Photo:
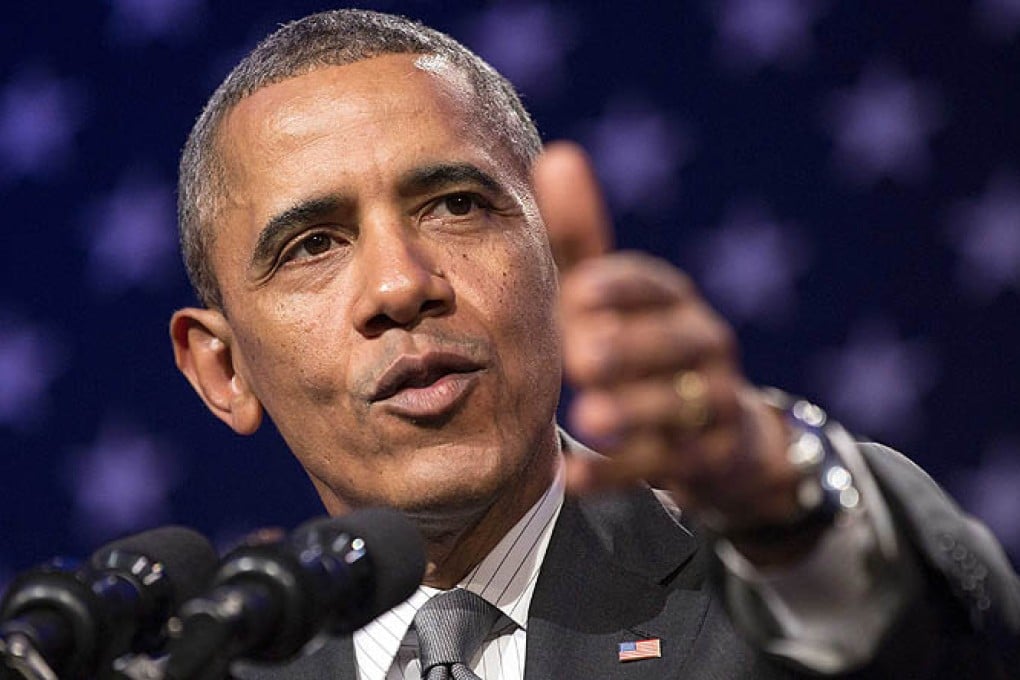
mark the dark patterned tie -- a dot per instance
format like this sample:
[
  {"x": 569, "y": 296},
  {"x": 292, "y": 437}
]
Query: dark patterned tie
[{"x": 451, "y": 626}]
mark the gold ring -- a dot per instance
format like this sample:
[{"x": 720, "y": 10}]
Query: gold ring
[{"x": 692, "y": 388}]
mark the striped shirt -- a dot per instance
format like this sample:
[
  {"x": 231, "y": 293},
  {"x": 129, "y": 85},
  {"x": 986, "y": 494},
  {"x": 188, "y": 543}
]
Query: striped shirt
[{"x": 387, "y": 648}]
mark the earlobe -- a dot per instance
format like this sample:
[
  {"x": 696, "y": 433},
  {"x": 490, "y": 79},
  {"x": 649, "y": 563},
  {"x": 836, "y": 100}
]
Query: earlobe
[{"x": 202, "y": 342}]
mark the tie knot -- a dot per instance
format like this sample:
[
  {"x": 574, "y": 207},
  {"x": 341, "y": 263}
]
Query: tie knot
[{"x": 451, "y": 626}]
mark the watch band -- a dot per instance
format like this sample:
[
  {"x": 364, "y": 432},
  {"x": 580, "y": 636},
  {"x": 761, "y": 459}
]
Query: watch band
[{"x": 826, "y": 487}]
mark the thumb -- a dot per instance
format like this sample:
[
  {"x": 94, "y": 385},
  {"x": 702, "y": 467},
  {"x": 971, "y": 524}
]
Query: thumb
[{"x": 571, "y": 204}]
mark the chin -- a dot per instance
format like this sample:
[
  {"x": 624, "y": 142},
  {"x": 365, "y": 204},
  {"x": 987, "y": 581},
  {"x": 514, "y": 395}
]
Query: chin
[{"x": 453, "y": 493}]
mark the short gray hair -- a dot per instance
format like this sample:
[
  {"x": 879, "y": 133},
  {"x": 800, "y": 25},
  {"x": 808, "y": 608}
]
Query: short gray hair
[{"x": 332, "y": 38}]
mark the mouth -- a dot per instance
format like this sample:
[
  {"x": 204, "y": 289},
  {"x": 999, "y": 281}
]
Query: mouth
[{"x": 427, "y": 386}]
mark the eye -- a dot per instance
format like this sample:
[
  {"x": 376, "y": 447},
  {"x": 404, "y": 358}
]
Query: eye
[
  {"x": 459, "y": 204},
  {"x": 311, "y": 245},
  {"x": 455, "y": 205}
]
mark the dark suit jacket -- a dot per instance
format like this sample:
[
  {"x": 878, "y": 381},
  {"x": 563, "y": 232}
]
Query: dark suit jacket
[{"x": 621, "y": 569}]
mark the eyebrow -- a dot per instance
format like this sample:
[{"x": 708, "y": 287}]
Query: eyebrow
[
  {"x": 432, "y": 177},
  {"x": 279, "y": 227},
  {"x": 420, "y": 180}
]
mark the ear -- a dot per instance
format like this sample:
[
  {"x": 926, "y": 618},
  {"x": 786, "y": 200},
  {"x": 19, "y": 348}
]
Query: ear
[
  {"x": 571, "y": 203},
  {"x": 202, "y": 341}
]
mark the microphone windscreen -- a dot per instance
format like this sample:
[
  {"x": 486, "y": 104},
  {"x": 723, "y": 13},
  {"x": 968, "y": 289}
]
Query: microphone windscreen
[
  {"x": 397, "y": 552},
  {"x": 188, "y": 558}
]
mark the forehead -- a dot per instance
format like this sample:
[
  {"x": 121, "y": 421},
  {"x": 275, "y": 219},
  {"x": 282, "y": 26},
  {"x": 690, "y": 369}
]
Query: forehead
[{"x": 401, "y": 98}]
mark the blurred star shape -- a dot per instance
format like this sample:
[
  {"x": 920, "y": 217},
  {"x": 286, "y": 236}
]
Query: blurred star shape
[
  {"x": 135, "y": 22},
  {"x": 990, "y": 491},
  {"x": 527, "y": 43},
  {"x": 998, "y": 19},
  {"x": 752, "y": 34},
  {"x": 874, "y": 384},
  {"x": 638, "y": 152},
  {"x": 39, "y": 117},
  {"x": 985, "y": 232},
  {"x": 749, "y": 265},
  {"x": 881, "y": 127},
  {"x": 31, "y": 358},
  {"x": 122, "y": 481},
  {"x": 130, "y": 236}
]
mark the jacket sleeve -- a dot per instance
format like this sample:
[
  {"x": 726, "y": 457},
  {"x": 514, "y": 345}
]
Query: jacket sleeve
[
  {"x": 944, "y": 603},
  {"x": 971, "y": 594}
]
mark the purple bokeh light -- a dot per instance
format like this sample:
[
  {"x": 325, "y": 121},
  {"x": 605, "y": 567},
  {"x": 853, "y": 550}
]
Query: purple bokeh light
[
  {"x": 135, "y": 22},
  {"x": 638, "y": 153},
  {"x": 130, "y": 236},
  {"x": 881, "y": 127},
  {"x": 39, "y": 117},
  {"x": 122, "y": 481},
  {"x": 875, "y": 382},
  {"x": 752, "y": 34},
  {"x": 527, "y": 43},
  {"x": 749, "y": 265},
  {"x": 985, "y": 233},
  {"x": 31, "y": 358}
]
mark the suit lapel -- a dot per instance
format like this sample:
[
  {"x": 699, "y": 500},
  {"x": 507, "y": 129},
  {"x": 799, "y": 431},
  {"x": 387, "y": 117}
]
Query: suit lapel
[{"x": 617, "y": 569}]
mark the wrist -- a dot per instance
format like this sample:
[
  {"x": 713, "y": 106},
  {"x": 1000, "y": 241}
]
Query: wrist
[{"x": 809, "y": 491}]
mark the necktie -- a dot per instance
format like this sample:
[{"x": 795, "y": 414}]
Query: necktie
[{"x": 450, "y": 628}]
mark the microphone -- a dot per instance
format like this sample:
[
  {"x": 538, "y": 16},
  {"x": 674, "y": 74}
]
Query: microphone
[
  {"x": 269, "y": 600},
  {"x": 56, "y": 622}
]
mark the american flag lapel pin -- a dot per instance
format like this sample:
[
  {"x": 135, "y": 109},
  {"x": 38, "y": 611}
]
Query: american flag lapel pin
[{"x": 640, "y": 649}]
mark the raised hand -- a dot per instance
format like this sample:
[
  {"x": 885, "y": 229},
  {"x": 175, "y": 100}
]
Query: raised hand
[{"x": 659, "y": 388}]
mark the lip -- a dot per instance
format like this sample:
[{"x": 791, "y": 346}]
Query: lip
[{"x": 426, "y": 386}]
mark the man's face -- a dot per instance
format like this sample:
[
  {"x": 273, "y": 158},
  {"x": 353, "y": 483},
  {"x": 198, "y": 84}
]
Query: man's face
[{"x": 388, "y": 286}]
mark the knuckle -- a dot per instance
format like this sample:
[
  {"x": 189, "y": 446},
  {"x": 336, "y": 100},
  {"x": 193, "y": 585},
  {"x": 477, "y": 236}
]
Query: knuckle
[
  {"x": 595, "y": 413},
  {"x": 582, "y": 368}
]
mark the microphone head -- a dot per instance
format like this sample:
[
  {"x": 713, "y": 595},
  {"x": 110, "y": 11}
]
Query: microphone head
[
  {"x": 184, "y": 557},
  {"x": 397, "y": 554},
  {"x": 80, "y": 621}
]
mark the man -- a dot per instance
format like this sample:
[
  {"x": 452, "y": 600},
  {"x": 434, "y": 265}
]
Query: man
[{"x": 366, "y": 215}]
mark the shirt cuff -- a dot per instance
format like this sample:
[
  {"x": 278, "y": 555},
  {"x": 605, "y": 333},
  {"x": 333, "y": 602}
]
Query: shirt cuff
[{"x": 856, "y": 579}]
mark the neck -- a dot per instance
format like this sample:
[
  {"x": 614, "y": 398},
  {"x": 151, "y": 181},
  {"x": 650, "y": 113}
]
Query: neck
[{"x": 452, "y": 553}]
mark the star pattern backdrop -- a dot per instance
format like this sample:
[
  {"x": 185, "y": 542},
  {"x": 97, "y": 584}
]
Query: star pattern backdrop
[{"x": 841, "y": 178}]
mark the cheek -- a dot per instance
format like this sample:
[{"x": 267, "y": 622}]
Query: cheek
[
  {"x": 535, "y": 288},
  {"x": 294, "y": 354},
  {"x": 521, "y": 302},
  {"x": 511, "y": 278}
]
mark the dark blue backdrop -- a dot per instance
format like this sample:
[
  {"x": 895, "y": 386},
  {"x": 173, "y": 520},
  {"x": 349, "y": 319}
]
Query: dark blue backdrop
[{"x": 842, "y": 178}]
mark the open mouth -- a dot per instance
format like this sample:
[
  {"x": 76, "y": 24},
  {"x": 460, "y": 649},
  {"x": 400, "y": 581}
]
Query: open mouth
[{"x": 428, "y": 386}]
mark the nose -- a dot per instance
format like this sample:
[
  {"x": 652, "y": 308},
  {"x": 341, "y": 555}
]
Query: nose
[{"x": 401, "y": 281}]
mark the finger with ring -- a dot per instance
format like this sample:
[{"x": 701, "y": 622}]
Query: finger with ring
[{"x": 694, "y": 413}]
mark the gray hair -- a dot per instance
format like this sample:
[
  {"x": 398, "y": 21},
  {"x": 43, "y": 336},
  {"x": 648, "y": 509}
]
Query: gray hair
[{"x": 332, "y": 38}]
